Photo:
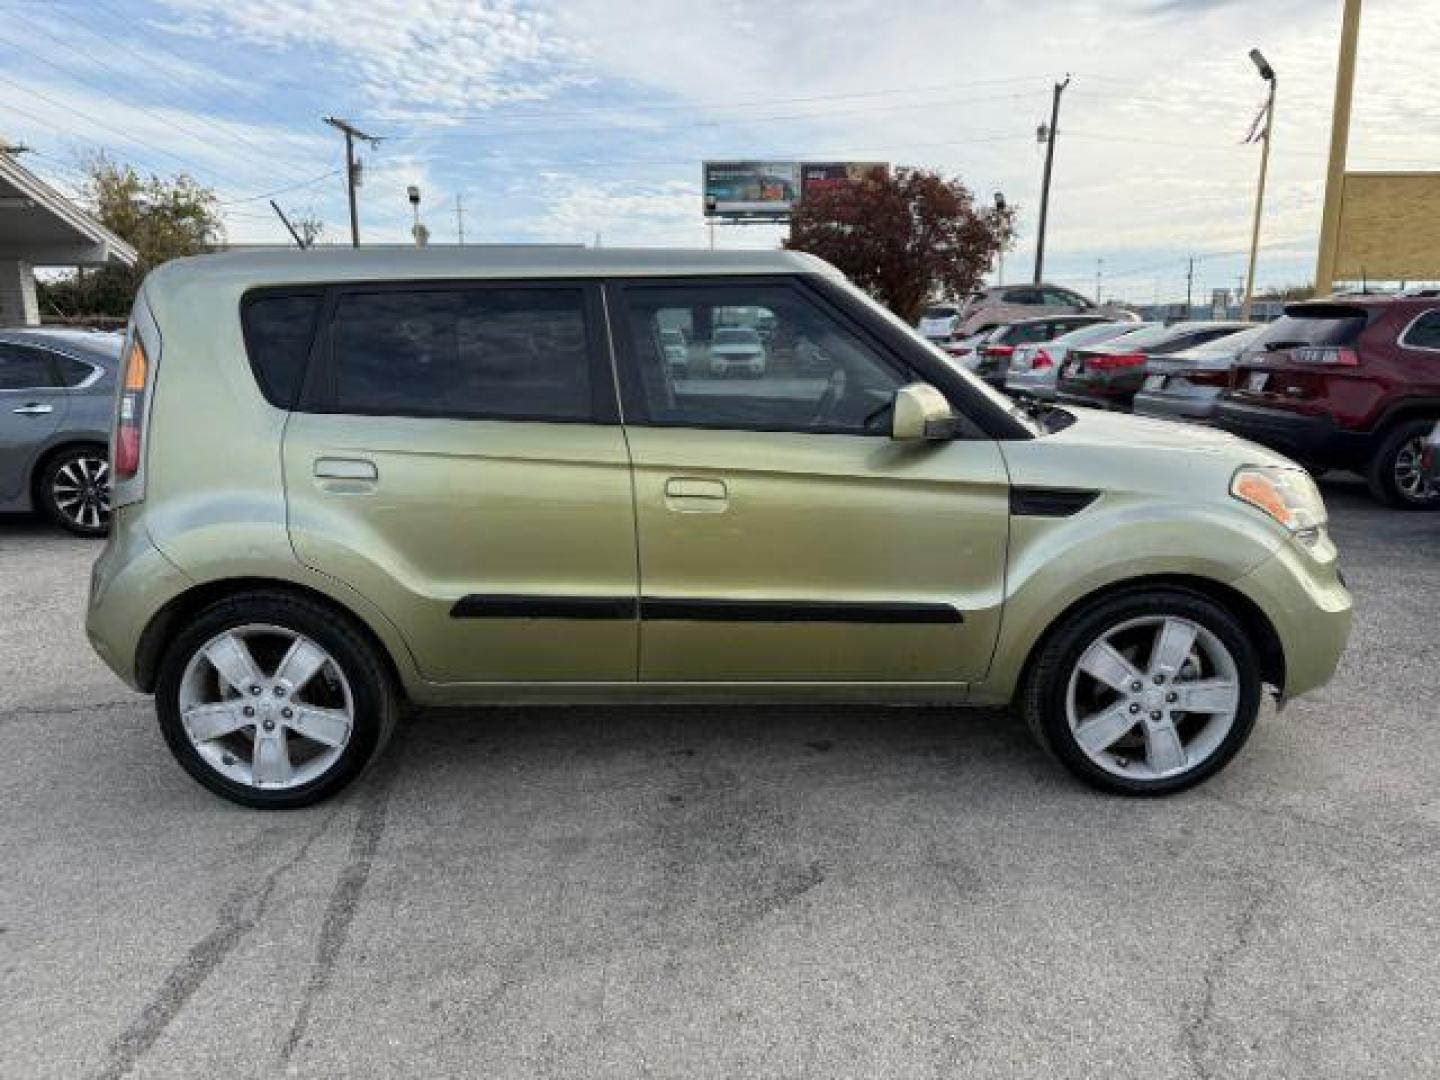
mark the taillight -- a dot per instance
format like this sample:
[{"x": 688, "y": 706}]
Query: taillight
[
  {"x": 1041, "y": 360},
  {"x": 1114, "y": 361},
  {"x": 999, "y": 351},
  {"x": 1334, "y": 355},
  {"x": 130, "y": 416}
]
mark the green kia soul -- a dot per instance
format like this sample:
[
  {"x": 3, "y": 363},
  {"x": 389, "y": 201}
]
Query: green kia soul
[{"x": 346, "y": 480}]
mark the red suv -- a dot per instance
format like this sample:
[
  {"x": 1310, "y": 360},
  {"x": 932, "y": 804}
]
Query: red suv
[{"x": 1346, "y": 383}]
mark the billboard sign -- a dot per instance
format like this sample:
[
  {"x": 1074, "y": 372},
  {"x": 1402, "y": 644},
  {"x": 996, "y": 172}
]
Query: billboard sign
[
  {"x": 816, "y": 177},
  {"x": 750, "y": 189}
]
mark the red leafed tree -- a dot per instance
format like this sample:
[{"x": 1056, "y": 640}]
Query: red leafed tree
[{"x": 906, "y": 236}]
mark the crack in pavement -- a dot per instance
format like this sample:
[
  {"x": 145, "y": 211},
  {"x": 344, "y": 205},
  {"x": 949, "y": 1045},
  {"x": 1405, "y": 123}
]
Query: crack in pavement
[
  {"x": 345, "y": 897},
  {"x": 239, "y": 914},
  {"x": 1193, "y": 1030},
  {"x": 32, "y": 712}
]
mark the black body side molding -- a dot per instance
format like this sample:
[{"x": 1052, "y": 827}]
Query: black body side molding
[{"x": 1049, "y": 502}]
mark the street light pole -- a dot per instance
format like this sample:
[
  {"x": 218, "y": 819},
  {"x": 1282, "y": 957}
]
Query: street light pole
[
  {"x": 1045, "y": 185},
  {"x": 1268, "y": 74}
]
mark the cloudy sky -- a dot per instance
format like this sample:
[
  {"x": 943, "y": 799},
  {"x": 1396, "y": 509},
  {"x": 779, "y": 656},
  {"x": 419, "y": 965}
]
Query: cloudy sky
[{"x": 556, "y": 120}]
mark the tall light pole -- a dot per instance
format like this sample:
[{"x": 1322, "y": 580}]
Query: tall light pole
[
  {"x": 1048, "y": 138},
  {"x": 1339, "y": 148},
  {"x": 1268, "y": 74},
  {"x": 1000, "y": 207}
]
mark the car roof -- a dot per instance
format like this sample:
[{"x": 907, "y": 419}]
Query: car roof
[
  {"x": 396, "y": 262},
  {"x": 96, "y": 345}
]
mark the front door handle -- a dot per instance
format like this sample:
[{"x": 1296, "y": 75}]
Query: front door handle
[
  {"x": 335, "y": 468},
  {"x": 34, "y": 408},
  {"x": 690, "y": 495}
]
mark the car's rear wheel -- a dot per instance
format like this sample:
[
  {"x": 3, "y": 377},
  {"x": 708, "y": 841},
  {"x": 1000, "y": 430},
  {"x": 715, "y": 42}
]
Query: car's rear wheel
[
  {"x": 74, "y": 490},
  {"x": 1397, "y": 475},
  {"x": 272, "y": 702},
  {"x": 1145, "y": 693}
]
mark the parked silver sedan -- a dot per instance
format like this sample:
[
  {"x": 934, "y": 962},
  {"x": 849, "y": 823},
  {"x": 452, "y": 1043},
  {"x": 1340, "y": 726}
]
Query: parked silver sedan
[
  {"x": 1187, "y": 385},
  {"x": 1033, "y": 367},
  {"x": 57, "y": 391}
]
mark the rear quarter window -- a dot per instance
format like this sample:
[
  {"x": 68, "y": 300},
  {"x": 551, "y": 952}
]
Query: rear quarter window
[{"x": 279, "y": 330}]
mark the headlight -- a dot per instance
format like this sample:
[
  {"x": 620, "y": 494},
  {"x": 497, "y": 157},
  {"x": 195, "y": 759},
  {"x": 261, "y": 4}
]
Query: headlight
[{"x": 1287, "y": 495}]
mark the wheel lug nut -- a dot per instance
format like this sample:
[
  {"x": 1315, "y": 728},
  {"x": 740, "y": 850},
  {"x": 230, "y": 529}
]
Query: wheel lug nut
[
  {"x": 254, "y": 689},
  {"x": 248, "y": 710},
  {"x": 1159, "y": 678},
  {"x": 1134, "y": 708},
  {"x": 279, "y": 691},
  {"x": 287, "y": 713},
  {"x": 1136, "y": 686},
  {"x": 268, "y": 725},
  {"x": 1172, "y": 697},
  {"x": 1155, "y": 716}
]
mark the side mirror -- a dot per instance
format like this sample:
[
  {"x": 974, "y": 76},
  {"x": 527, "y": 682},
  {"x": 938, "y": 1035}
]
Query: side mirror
[{"x": 921, "y": 412}]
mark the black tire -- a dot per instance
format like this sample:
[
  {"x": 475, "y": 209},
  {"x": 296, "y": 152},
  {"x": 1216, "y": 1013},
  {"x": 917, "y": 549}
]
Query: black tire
[
  {"x": 1381, "y": 474},
  {"x": 67, "y": 474},
  {"x": 376, "y": 707},
  {"x": 1042, "y": 700}
]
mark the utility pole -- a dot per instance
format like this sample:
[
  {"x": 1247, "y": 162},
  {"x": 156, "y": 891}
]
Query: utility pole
[
  {"x": 459, "y": 219},
  {"x": 1049, "y": 141},
  {"x": 1189, "y": 287},
  {"x": 352, "y": 169},
  {"x": 1339, "y": 149},
  {"x": 1099, "y": 277},
  {"x": 1268, "y": 74}
]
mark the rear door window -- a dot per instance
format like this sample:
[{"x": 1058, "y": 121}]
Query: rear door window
[
  {"x": 505, "y": 353},
  {"x": 24, "y": 368}
]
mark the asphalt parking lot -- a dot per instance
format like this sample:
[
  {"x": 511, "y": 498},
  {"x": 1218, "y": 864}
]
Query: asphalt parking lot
[{"x": 716, "y": 892}]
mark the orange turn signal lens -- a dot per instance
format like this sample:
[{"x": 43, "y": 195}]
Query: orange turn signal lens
[
  {"x": 1259, "y": 491},
  {"x": 136, "y": 366}
]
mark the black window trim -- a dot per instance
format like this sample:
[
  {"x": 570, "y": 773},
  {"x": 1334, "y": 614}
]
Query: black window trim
[
  {"x": 318, "y": 390},
  {"x": 281, "y": 292}
]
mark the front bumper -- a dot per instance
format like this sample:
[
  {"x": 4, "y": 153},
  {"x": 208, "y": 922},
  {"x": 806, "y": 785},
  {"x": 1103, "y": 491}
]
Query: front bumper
[
  {"x": 1309, "y": 438},
  {"x": 1302, "y": 594}
]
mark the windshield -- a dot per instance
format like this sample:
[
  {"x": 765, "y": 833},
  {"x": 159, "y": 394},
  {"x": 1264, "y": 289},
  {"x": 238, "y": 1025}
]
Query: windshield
[
  {"x": 1093, "y": 335},
  {"x": 1231, "y": 343},
  {"x": 1315, "y": 324},
  {"x": 978, "y": 385}
]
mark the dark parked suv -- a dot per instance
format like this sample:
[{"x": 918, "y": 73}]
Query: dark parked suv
[{"x": 1350, "y": 382}]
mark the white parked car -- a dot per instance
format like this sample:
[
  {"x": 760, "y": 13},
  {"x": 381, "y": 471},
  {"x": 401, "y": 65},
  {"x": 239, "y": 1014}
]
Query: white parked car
[
  {"x": 938, "y": 322},
  {"x": 677, "y": 353},
  {"x": 737, "y": 349}
]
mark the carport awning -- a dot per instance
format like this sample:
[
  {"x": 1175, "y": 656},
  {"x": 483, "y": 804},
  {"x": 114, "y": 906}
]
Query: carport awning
[{"x": 41, "y": 227}]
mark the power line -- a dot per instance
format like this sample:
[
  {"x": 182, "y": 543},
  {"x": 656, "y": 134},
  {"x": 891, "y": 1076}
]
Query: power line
[{"x": 281, "y": 191}]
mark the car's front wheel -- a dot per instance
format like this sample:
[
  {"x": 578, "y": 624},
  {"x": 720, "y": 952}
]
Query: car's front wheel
[
  {"x": 272, "y": 701},
  {"x": 1145, "y": 692}
]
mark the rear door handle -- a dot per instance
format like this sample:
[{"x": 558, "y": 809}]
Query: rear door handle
[
  {"x": 34, "y": 408},
  {"x": 334, "y": 468},
  {"x": 689, "y": 495}
]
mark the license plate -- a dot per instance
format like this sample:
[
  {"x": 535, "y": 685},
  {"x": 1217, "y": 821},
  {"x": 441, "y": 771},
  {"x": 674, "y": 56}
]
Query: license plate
[
  {"x": 1155, "y": 382},
  {"x": 1258, "y": 379}
]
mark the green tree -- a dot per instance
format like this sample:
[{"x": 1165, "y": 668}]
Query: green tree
[
  {"x": 162, "y": 218},
  {"x": 906, "y": 236}
]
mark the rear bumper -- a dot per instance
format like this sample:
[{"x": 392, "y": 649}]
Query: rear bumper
[
  {"x": 1312, "y": 439},
  {"x": 1176, "y": 406},
  {"x": 129, "y": 583}
]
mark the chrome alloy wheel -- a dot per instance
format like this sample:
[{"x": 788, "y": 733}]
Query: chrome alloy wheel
[
  {"x": 270, "y": 731},
  {"x": 80, "y": 490},
  {"x": 1410, "y": 478},
  {"x": 1153, "y": 697}
]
